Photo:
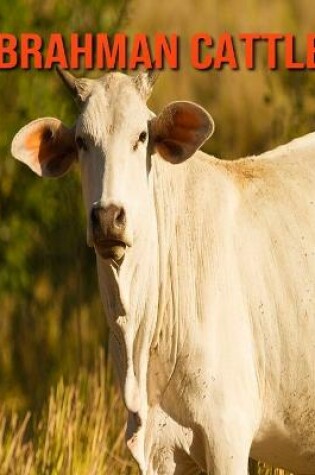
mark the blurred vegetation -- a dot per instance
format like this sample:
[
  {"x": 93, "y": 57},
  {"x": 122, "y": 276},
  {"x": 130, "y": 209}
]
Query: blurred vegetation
[
  {"x": 253, "y": 110},
  {"x": 51, "y": 317}
]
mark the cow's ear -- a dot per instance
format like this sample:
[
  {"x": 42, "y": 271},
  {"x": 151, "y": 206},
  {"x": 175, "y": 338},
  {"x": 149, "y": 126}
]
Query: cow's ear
[
  {"x": 179, "y": 130},
  {"x": 46, "y": 146}
]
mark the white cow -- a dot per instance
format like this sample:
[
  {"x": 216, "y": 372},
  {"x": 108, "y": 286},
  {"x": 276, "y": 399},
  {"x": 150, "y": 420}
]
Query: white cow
[{"x": 207, "y": 275}]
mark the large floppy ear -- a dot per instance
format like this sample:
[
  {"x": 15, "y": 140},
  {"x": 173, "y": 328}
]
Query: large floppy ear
[
  {"x": 179, "y": 130},
  {"x": 46, "y": 146}
]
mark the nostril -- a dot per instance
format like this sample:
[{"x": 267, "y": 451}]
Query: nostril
[
  {"x": 120, "y": 217},
  {"x": 95, "y": 216}
]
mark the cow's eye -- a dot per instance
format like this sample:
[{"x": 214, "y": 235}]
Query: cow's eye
[
  {"x": 143, "y": 136},
  {"x": 81, "y": 144},
  {"x": 141, "y": 139}
]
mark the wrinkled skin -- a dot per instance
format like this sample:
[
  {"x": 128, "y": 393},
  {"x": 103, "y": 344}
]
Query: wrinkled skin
[{"x": 207, "y": 276}]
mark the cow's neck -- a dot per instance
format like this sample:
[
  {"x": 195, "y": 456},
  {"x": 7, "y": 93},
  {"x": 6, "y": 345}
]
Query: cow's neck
[{"x": 195, "y": 204}]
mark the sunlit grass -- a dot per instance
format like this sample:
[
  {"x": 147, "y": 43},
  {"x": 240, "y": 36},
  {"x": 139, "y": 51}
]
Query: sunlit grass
[{"x": 81, "y": 432}]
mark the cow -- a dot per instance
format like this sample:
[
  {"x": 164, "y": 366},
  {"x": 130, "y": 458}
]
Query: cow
[{"x": 206, "y": 271}]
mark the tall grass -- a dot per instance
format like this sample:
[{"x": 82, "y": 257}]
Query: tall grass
[{"x": 80, "y": 431}]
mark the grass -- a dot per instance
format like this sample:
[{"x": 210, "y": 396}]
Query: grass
[{"x": 80, "y": 432}]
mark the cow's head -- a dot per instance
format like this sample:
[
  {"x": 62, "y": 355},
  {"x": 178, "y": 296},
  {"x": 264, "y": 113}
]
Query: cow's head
[{"x": 113, "y": 139}]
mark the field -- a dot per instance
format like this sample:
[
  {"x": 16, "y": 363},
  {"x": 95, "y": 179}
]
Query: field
[
  {"x": 80, "y": 431},
  {"x": 60, "y": 410}
]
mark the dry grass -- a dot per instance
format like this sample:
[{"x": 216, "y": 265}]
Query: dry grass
[{"x": 80, "y": 432}]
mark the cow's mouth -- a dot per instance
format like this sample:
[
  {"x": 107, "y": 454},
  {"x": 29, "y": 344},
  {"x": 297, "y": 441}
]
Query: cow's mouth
[{"x": 111, "y": 249}]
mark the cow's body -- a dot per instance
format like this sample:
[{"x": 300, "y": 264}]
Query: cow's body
[
  {"x": 233, "y": 354},
  {"x": 212, "y": 309}
]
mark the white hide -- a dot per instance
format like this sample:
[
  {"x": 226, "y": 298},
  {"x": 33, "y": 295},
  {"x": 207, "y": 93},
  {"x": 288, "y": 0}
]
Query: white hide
[
  {"x": 212, "y": 312},
  {"x": 229, "y": 306}
]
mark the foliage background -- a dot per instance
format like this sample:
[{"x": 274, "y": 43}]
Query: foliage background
[{"x": 51, "y": 322}]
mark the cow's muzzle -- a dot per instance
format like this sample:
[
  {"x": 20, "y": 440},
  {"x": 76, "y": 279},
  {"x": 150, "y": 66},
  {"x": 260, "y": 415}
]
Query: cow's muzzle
[{"x": 109, "y": 228}]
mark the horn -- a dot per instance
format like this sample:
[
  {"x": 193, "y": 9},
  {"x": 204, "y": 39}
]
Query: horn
[
  {"x": 145, "y": 81},
  {"x": 78, "y": 87},
  {"x": 153, "y": 75},
  {"x": 68, "y": 79}
]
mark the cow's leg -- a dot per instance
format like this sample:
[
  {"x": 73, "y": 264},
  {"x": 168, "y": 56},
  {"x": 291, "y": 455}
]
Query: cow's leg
[
  {"x": 172, "y": 467},
  {"x": 220, "y": 446},
  {"x": 168, "y": 446},
  {"x": 173, "y": 462},
  {"x": 229, "y": 466},
  {"x": 224, "y": 460},
  {"x": 227, "y": 458}
]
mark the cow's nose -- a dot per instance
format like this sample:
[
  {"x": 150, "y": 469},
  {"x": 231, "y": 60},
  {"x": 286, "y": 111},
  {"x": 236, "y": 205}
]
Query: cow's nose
[{"x": 110, "y": 219}]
